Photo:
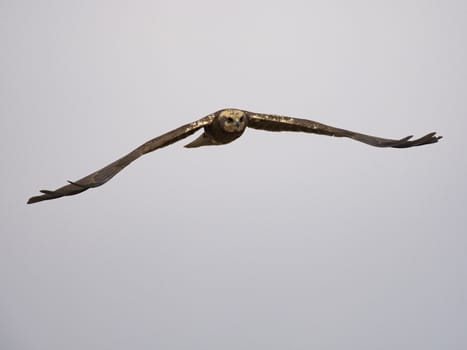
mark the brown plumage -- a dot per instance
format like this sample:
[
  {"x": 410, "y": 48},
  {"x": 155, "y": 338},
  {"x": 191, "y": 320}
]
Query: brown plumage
[{"x": 220, "y": 128}]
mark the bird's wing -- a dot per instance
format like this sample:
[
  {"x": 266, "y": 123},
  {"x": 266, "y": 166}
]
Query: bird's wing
[
  {"x": 283, "y": 123},
  {"x": 103, "y": 175}
]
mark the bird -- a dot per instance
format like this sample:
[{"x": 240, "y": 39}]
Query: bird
[{"x": 220, "y": 128}]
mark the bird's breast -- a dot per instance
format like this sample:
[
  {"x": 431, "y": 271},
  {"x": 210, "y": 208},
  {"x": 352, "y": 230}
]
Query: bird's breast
[{"x": 220, "y": 136}]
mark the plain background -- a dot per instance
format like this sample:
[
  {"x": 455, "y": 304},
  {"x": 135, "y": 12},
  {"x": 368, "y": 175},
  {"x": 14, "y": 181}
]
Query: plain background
[{"x": 276, "y": 241}]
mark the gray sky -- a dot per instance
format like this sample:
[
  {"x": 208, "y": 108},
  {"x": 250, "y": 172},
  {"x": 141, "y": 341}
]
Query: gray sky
[{"x": 276, "y": 241}]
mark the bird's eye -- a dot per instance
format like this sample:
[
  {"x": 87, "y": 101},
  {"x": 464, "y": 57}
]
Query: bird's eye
[
  {"x": 241, "y": 119},
  {"x": 229, "y": 120}
]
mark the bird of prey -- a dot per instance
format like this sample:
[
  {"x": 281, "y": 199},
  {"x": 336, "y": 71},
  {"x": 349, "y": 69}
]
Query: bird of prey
[{"x": 220, "y": 128}]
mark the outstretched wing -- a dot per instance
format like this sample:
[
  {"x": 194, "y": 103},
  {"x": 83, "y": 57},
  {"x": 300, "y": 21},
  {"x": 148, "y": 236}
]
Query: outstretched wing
[
  {"x": 282, "y": 123},
  {"x": 103, "y": 175}
]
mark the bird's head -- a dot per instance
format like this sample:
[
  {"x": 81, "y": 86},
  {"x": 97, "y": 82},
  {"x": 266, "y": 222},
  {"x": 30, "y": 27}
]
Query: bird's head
[{"x": 232, "y": 120}]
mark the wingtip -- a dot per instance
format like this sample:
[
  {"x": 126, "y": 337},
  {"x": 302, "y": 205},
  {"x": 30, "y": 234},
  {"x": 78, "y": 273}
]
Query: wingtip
[
  {"x": 432, "y": 137},
  {"x": 424, "y": 140},
  {"x": 33, "y": 200}
]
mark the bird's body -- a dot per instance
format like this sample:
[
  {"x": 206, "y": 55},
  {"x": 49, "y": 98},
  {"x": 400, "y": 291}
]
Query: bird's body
[
  {"x": 222, "y": 127},
  {"x": 227, "y": 126}
]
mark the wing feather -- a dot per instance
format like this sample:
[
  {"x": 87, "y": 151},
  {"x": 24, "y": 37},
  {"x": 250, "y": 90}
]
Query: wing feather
[
  {"x": 103, "y": 175},
  {"x": 284, "y": 123}
]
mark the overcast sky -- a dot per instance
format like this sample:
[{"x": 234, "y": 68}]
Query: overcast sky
[{"x": 276, "y": 241}]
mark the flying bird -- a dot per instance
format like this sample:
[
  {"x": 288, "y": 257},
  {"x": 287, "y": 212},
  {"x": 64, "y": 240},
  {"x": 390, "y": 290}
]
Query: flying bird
[{"x": 220, "y": 128}]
